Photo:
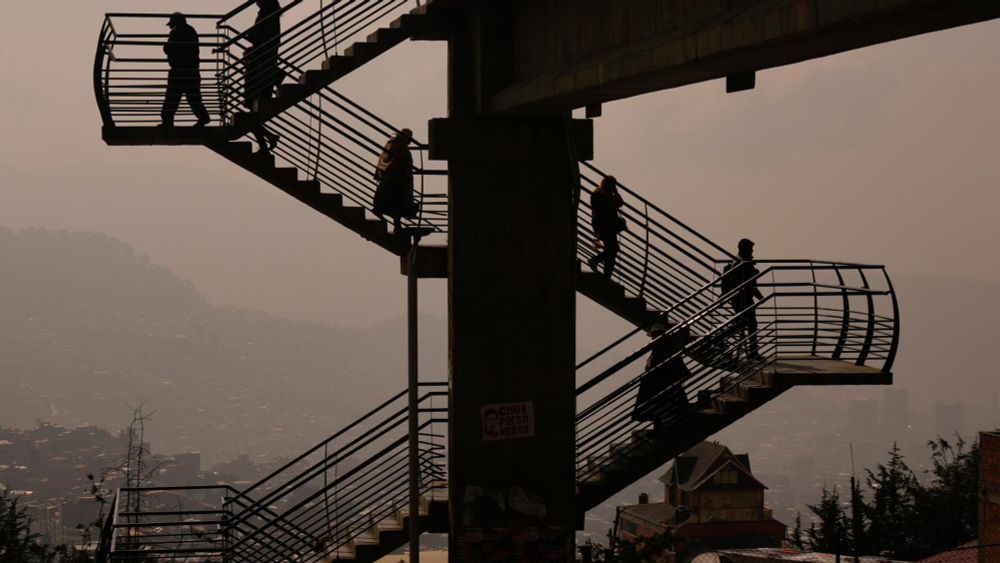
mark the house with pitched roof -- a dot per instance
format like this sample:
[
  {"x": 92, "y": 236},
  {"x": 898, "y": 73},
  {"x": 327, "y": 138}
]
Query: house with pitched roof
[{"x": 711, "y": 501}]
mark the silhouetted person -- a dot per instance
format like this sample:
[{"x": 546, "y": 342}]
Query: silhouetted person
[
  {"x": 184, "y": 78},
  {"x": 394, "y": 173},
  {"x": 262, "y": 71},
  {"x": 741, "y": 275},
  {"x": 607, "y": 222},
  {"x": 661, "y": 393}
]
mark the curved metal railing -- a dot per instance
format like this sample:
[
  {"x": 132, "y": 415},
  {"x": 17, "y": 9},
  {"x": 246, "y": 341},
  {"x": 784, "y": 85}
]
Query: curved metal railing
[
  {"x": 130, "y": 69},
  {"x": 821, "y": 316}
]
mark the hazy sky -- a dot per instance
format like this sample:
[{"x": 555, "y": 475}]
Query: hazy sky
[{"x": 888, "y": 155}]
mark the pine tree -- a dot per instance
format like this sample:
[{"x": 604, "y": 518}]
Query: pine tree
[
  {"x": 946, "y": 509},
  {"x": 859, "y": 536},
  {"x": 797, "y": 539},
  {"x": 891, "y": 511},
  {"x": 834, "y": 529}
]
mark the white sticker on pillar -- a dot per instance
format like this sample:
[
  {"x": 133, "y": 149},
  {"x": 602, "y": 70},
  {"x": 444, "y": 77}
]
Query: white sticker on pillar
[{"x": 508, "y": 421}]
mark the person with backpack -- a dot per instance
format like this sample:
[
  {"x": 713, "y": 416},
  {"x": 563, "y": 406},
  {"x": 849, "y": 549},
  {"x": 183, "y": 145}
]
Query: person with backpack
[
  {"x": 394, "y": 174},
  {"x": 739, "y": 279},
  {"x": 607, "y": 222}
]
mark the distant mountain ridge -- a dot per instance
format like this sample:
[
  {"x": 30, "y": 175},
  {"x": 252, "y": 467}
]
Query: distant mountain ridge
[{"x": 88, "y": 327}]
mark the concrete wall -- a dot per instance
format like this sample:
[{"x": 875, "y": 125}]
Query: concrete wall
[{"x": 571, "y": 53}]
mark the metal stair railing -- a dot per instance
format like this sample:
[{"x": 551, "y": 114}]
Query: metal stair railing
[
  {"x": 325, "y": 498},
  {"x": 309, "y": 34},
  {"x": 172, "y": 524},
  {"x": 810, "y": 310},
  {"x": 130, "y": 69},
  {"x": 334, "y": 141},
  {"x": 661, "y": 259}
]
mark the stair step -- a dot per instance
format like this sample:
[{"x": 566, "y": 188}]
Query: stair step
[
  {"x": 310, "y": 187},
  {"x": 240, "y": 148},
  {"x": 353, "y": 214},
  {"x": 363, "y": 50},
  {"x": 262, "y": 159},
  {"x": 286, "y": 174},
  {"x": 339, "y": 64},
  {"x": 376, "y": 227},
  {"x": 388, "y": 36},
  {"x": 291, "y": 91},
  {"x": 330, "y": 202}
]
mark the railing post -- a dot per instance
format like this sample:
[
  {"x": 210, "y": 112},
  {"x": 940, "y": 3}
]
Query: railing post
[
  {"x": 845, "y": 325},
  {"x": 414, "y": 398},
  {"x": 645, "y": 249},
  {"x": 870, "y": 329},
  {"x": 815, "y": 343}
]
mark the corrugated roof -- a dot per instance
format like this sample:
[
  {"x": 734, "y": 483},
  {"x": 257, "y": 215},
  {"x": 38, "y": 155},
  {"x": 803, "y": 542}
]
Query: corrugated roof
[{"x": 965, "y": 553}]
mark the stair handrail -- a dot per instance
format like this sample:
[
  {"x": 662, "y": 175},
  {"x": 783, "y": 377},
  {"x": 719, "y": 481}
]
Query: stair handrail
[
  {"x": 369, "y": 436},
  {"x": 363, "y": 465},
  {"x": 298, "y": 39},
  {"x": 722, "y": 300},
  {"x": 635, "y": 195},
  {"x": 887, "y": 337},
  {"x": 354, "y": 424}
]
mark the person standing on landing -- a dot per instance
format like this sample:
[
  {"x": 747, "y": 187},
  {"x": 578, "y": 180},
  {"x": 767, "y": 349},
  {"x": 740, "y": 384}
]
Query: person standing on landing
[
  {"x": 741, "y": 275},
  {"x": 607, "y": 222},
  {"x": 262, "y": 71},
  {"x": 184, "y": 78}
]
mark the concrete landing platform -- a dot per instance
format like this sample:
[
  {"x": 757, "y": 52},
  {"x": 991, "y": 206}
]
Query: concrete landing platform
[
  {"x": 165, "y": 136},
  {"x": 812, "y": 370}
]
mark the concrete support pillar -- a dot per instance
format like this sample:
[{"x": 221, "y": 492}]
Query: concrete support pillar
[{"x": 512, "y": 239}]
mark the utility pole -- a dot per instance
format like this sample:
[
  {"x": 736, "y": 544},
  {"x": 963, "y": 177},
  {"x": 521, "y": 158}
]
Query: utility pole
[{"x": 414, "y": 397}]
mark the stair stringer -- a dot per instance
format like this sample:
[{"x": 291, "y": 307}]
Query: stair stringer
[
  {"x": 423, "y": 22},
  {"x": 308, "y": 192},
  {"x": 650, "y": 450}
]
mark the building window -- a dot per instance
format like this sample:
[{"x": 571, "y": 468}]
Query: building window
[
  {"x": 725, "y": 477},
  {"x": 629, "y": 527}
]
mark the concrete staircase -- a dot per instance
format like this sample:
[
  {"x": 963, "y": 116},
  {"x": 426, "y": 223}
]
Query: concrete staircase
[{"x": 389, "y": 534}]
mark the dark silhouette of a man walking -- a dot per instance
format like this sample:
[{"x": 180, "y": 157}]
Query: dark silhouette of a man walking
[
  {"x": 741, "y": 275},
  {"x": 184, "y": 78}
]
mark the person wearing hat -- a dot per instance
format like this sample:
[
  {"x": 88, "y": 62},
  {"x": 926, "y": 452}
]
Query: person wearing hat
[
  {"x": 740, "y": 279},
  {"x": 184, "y": 78},
  {"x": 394, "y": 174},
  {"x": 661, "y": 396}
]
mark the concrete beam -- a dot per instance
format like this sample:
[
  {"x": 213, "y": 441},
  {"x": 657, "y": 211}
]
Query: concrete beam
[{"x": 574, "y": 53}]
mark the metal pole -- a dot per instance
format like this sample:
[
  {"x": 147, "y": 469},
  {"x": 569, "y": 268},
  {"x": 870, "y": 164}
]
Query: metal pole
[{"x": 411, "y": 314}]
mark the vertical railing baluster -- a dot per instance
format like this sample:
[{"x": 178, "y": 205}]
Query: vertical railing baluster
[
  {"x": 815, "y": 339},
  {"x": 645, "y": 256},
  {"x": 870, "y": 329},
  {"x": 845, "y": 326}
]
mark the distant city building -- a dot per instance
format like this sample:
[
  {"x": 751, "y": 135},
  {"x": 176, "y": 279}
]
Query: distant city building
[
  {"x": 895, "y": 412},
  {"x": 949, "y": 419},
  {"x": 712, "y": 501},
  {"x": 862, "y": 418}
]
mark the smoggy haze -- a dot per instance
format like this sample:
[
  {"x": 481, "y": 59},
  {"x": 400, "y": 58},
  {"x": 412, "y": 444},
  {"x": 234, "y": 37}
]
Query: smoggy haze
[{"x": 886, "y": 155}]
